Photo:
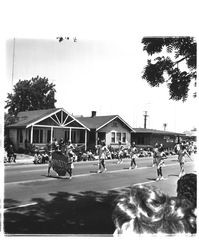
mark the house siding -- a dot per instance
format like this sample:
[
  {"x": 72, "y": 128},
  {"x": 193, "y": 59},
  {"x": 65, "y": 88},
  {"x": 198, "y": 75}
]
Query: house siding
[{"x": 115, "y": 126}]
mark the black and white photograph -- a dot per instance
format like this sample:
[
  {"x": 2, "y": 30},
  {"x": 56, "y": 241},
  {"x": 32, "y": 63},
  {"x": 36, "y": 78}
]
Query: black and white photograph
[{"x": 99, "y": 122}]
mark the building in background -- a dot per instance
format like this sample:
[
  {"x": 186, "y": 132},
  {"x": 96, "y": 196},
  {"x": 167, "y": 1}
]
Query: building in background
[
  {"x": 39, "y": 127},
  {"x": 112, "y": 129},
  {"x": 144, "y": 137}
]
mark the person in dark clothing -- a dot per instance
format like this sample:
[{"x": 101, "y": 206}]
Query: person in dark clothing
[{"x": 10, "y": 154}]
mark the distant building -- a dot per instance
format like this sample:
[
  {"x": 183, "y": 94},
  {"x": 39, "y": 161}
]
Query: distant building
[
  {"x": 149, "y": 137},
  {"x": 112, "y": 129},
  {"x": 190, "y": 135}
]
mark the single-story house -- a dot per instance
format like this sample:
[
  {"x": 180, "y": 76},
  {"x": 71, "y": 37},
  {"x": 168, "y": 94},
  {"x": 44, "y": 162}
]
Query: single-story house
[
  {"x": 39, "y": 127},
  {"x": 144, "y": 136},
  {"x": 111, "y": 128}
]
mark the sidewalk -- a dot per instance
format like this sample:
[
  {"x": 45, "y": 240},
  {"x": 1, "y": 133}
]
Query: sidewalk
[{"x": 21, "y": 160}]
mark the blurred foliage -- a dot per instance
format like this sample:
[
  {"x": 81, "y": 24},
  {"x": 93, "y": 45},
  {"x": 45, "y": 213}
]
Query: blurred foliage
[
  {"x": 167, "y": 69},
  {"x": 33, "y": 94}
]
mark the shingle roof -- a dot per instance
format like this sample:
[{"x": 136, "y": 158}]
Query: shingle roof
[
  {"x": 97, "y": 122},
  {"x": 155, "y": 131},
  {"x": 27, "y": 117}
]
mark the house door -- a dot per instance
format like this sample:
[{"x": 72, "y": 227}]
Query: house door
[{"x": 101, "y": 137}]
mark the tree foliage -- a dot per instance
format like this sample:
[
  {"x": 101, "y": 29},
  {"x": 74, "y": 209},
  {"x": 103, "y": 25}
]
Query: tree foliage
[
  {"x": 167, "y": 69},
  {"x": 33, "y": 94}
]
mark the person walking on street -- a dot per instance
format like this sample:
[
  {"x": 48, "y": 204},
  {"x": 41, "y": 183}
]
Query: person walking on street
[
  {"x": 120, "y": 154},
  {"x": 160, "y": 163},
  {"x": 133, "y": 152},
  {"x": 155, "y": 152},
  {"x": 71, "y": 156},
  {"x": 181, "y": 158},
  {"x": 103, "y": 150}
]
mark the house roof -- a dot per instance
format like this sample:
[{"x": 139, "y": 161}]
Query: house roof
[
  {"x": 98, "y": 122},
  {"x": 155, "y": 131},
  {"x": 25, "y": 118},
  {"x": 29, "y": 118}
]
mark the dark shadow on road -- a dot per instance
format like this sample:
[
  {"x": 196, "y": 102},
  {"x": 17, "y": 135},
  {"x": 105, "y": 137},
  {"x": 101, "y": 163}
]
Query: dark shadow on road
[
  {"x": 66, "y": 213},
  {"x": 151, "y": 179},
  {"x": 56, "y": 176}
]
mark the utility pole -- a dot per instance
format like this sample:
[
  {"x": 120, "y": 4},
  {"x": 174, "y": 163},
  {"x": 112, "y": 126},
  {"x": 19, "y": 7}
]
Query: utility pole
[
  {"x": 164, "y": 125},
  {"x": 145, "y": 118},
  {"x": 13, "y": 61}
]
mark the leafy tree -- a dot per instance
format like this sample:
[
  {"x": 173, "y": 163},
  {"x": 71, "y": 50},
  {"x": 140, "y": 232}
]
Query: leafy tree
[
  {"x": 33, "y": 94},
  {"x": 169, "y": 69}
]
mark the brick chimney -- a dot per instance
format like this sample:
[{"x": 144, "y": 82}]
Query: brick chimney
[{"x": 93, "y": 113}]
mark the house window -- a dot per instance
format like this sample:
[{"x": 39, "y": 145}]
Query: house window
[
  {"x": 38, "y": 136},
  {"x": 20, "y": 135},
  {"x": 124, "y": 137},
  {"x": 141, "y": 140},
  {"x": 119, "y": 136},
  {"x": 73, "y": 136},
  {"x": 113, "y": 137}
]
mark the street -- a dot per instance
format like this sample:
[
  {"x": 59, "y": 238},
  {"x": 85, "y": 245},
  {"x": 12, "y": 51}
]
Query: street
[{"x": 37, "y": 204}]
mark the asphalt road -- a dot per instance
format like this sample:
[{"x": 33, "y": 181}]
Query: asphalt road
[{"x": 80, "y": 205}]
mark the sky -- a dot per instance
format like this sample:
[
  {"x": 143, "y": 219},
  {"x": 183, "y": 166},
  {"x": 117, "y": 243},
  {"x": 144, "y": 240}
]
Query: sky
[
  {"x": 101, "y": 74},
  {"x": 101, "y": 71}
]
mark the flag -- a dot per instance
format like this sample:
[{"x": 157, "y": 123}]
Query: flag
[{"x": 59, "y": 163}]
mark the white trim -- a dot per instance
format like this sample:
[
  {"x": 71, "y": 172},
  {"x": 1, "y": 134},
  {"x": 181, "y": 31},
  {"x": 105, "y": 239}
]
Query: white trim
[
  {"x": 43, "y": 118},
  {"x": 77, "y": 120},
  {"x": 85, "y": 139},
  {"x": 70, "y": 131},
  {"x": 51, "y": 114},
  {"x": 62, "y": 117},
  {"x": 58, "y": 119},
  {"x": 53, "y": 120},
  {"x": 65, "y": 119},
  {"x": 31, "y": 135},
  {"x": 59, "y": 127},
  {"x": 68, "y": 123},
  {"x": 117, "y": 116}
]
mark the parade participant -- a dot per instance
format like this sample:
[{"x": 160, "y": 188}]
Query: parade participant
[
  {"x": 103, "y": 150},
  {"x": 120, "y": 153},
  {"x": 54, "y": 145},
  {"x": 62, "y": 163},
  {"x": 62, "y": 146},
  {"x": 133, "y": 152},
  {"x": 70, "y": 156},
  {"x": 181, "y": 158},
  {"x": 70, "y": 145},
  {"x": 146, "y": 210},
  {"x": 160, "y": 162},
  {"x": 155, "y": 151}
]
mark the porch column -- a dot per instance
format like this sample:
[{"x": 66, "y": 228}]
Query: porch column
[
  {"x": 70, "y": 134},
  {"x": 85, "y": 139},
  {"x": 31, "y": 135},
  {"x": 96, "y": 137},
  {"x": 51, "y": 135}
]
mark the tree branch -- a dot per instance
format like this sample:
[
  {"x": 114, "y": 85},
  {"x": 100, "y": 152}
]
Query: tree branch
[{"x": 181, "y": 60}]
